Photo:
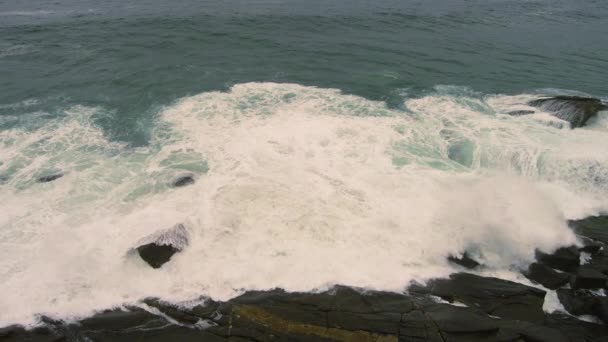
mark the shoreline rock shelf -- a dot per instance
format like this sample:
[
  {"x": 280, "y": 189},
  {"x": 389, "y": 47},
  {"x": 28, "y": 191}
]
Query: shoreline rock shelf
[
  {"x": 506, "y": 312},
  {"x": 485, "y": 309}
]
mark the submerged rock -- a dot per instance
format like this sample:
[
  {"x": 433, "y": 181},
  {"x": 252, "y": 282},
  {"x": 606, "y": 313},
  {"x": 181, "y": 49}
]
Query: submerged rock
[
  {"x": 158, "y": 248},
  {"x": 49, "y": 178},
  {"x": 521, "y": 112},
  {"x": 546, "y": 276},
  {"x": 565, "y": 259},
  {"x": 183, "y": 181},
  {"x": 575, "y": 109},
  {"x": 465, "y": 261}
]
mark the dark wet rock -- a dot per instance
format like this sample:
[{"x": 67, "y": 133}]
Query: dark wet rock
[
  {"x": 383, "y": 323},
  {"x": 156, "y": 255},
  {"x": 453, "y": 319},
  {"x": 416, "y": 326},
  {"x": 11, "y": 330},
  {"x": 341, "y": 314},
  {"x": 565, "y": 259},
  {"x": 600, "y": 309},
  {"x": 494, "y": 296},
  {"x": 49, "y": 178},
  {"x": 575, "y": 109},
  {"x": 465, "y": 261},
  {"x": 546, "y": 276},
  {"x": 576, "y": 330},
  {"x": 594, "y": 227},
  {"x": 592, "y": 247},
  {"x": 186, "y": 315},
  {"x": 168, "y": 333},
  {"x": 588, "y": 278},
  {"x": 41, "y": 334},
  {"x": 576, "y": 302},
  {"x": 158, "y": 248},
  {"x": 521, "y": 112},
  {"x": 116, "y": 320},
  {"x": 348, "y": 299},
  {"x": 183, "y": 181}
]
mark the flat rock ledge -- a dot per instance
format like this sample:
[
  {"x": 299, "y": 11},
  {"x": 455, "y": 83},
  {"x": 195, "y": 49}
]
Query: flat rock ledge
[{"x": 505, "y": 311}]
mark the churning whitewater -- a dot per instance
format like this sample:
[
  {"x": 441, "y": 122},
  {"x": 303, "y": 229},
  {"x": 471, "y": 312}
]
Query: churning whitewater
[{"x": 296, "y": 187}]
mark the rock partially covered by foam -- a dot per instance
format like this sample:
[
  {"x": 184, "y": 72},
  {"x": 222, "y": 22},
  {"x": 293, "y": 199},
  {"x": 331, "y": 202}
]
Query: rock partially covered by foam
[
  {"x": 494, "y": 296},
  {"x": 565, "y": 259},
  {"x": 183, "y": 181},
  {"x": 464, "y": 260},
  {"x": 158, "y": 248},
  {"x": 546, "y": 276},
  {"x": 49, "y": 177},
  {"x": 575, "y": 109}
]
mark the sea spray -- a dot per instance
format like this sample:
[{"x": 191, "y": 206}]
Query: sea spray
[{"x": 297, "y": 187}]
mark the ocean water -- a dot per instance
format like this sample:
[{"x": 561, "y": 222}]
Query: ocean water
[{"x": 332, "y": 142}]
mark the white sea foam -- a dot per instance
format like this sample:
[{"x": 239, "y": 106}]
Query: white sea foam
[{"x": 297, "y": 187}]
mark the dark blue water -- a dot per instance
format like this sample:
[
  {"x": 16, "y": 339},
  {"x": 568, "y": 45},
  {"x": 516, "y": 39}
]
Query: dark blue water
[{"x": 132, "y": 56}]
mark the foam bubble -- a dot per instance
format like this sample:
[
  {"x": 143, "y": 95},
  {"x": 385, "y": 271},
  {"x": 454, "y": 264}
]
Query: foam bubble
[{"x": 297, "y": 187}]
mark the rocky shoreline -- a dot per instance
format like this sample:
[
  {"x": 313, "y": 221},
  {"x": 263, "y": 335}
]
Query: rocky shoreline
[{"x": 465, "y": 307}]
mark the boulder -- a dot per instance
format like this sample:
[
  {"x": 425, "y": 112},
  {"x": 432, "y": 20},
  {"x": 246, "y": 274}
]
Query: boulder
[
  {"x": 576, "y": 302},
  {"x": 497, "y": 297},
  {"x": 546, "y": 276},
  {"x": 465, "y": 261},
  {"x": 575, "y": 109},
  {"x": 588, "y": 278},
  {"x": 183, "y": 181},
  {"x": 159, "y": 247},
  {"x": 565, "y": 259}
]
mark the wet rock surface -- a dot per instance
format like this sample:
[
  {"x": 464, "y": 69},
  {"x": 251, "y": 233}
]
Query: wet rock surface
[
  {"x": 588, "y": 278},
  {"x": 565, "y": 259},
  {"x": 575, "y": 109},
  {"x": 494, "y": 296},
  {"x": 485, "y": 309},
  {"x": 341, "y": 314},
  {"x": 546, "y": 276},
  {"x": 592, "y": 227},
  {"x": 465, "y": 260}
]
